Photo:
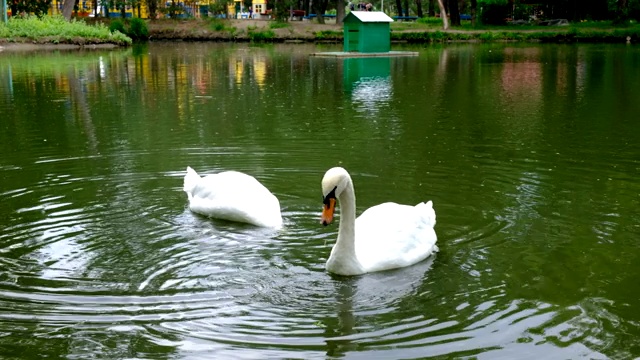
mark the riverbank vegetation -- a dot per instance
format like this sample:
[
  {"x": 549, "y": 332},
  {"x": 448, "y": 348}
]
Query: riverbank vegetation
[
  {"x": 483, "y": 26},
  {"x": 56, "y": 30},
  {"x": 430, "y": 30}
]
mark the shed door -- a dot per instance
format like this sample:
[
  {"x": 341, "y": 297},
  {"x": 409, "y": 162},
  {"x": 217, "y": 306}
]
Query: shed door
[{"x": 354, "y": 39}]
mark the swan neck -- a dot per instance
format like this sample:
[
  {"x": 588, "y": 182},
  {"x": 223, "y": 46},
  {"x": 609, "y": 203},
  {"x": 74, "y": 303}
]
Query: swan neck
[{"x": 346, "y": 230}]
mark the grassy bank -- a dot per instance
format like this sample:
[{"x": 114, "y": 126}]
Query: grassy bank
[
  {"x": 430, "y": 30},
  {"x": 612, "y": 36},
  {"x": 55, "y": 30}
]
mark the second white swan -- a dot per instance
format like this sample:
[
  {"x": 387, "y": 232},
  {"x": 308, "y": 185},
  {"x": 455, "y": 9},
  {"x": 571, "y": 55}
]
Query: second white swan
[
  {"x": 384, "y": 237},
  {"x": 233, "y": 196}
]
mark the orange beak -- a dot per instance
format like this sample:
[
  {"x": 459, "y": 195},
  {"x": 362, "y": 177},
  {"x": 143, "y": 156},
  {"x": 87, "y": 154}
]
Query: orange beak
[{"x": 327, "y": 212}]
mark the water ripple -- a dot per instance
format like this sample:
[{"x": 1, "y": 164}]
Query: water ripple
[{"x": 137, "y": 263}]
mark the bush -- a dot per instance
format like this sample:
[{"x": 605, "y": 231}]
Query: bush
[
  {"x": 430, "y": 21},
  {"x": 57, "y": 29},
  {"x": 258, "y": 36},
  {"x": 36, "y": 7},
  {"x": 117, "y": 25},
  {"x": 329, "y": 35},
  {"x": 138, "y": 29},
  {"x": 278, "y": 24},
  {"x": 217, "y": 24}
]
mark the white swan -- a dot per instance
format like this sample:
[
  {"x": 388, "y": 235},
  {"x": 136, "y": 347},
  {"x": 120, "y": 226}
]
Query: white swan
[
  {"x": 233, "y": 196},
  {"x": 385, "y": 236}
]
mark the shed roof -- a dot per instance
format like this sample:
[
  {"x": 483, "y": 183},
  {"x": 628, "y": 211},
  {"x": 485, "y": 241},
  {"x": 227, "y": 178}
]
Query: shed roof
[{"x": 370, "y": 16}]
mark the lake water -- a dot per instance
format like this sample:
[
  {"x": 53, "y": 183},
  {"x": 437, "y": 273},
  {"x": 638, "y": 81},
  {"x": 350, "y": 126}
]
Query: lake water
[{"x": 530, "y": 153}]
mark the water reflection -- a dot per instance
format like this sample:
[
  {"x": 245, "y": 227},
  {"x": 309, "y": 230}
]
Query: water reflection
[
  {"x": 368, "y": 80},
  {"x": 363, "y": 297}
]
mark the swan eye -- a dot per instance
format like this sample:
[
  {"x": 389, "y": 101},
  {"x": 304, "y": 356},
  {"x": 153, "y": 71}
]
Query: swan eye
[{"x": 331, "y": 195}]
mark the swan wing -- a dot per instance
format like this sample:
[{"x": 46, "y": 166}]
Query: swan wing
[{"x": 391, "y": 235}]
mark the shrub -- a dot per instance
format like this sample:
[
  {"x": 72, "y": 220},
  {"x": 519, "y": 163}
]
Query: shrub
[
  {"x": 329, "y": 35},
  {"x": 57, "y": 29},
  {"x": 278, "y": 24},
  {"x": 117, "y": 25},
  {"x": 217, "y": 24},
  {"x": 430, "y": 21},
  {"x": 138, "y": 29},
  {"x": 258, "y": 36}
]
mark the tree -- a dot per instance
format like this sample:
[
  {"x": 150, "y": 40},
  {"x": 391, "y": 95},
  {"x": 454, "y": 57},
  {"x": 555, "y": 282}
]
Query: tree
[
  {"x": 454, "y": 12},
  {"x": 443, "y": 15},
  {"x": 474, "y": 6},
  {"x": 152, "y": 6},
  {"x": 36, "y": 7},
  {"x": 67, "y": 8},
  {"x": 399, "y": 7},
  {"x": 320, "y": 7},
  {"x": 419, "y": 12},
  {"x": 621, "y": 11},
  {"x": 219, "y": 7},
  {"x": 340, "y": 12}
]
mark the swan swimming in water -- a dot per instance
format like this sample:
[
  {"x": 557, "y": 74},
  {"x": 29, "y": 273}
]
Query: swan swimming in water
[
  {"x": 233, "y": 196},
  {"x": 385, "y": 236}
]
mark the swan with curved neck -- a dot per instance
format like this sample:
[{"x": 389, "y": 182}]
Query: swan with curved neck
[
  {"x": 232, "y": 196},
  {"x": 385, "y": 236}
]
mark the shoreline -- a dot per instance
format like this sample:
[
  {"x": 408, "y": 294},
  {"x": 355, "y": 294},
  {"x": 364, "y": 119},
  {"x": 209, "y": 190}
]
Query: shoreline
[{"x": 264, "y": 31}]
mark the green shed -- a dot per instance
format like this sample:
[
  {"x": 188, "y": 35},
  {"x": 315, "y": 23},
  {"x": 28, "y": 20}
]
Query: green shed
[{"x": 367, "y": 32}]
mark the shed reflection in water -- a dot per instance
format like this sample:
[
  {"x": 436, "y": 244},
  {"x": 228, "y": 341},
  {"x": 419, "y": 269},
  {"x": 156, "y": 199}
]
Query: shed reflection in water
[{"x": 368, "y": 81}]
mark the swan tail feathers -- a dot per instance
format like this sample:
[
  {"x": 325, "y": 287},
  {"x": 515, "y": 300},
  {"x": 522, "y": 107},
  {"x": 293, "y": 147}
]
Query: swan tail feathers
[
  {"x": 428, "y": 212},
  {"x": 191, "y": 179}
]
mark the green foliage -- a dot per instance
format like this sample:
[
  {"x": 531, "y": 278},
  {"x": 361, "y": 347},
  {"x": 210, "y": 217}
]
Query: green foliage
[
  {"x": 173, "y": 9},
  {"x": 280, "y": 11},
  {"x": 430, "y": 21},
  {"x": 492, "y": 2},
  {"x": 221, "y": 25},
  {"x": 431, "y": 36},
  {"x": 138, "y": 29},
  {"x": 261, "y": 36},
  {"x": 219, "y": 7},
  {"x": 35, "y": 7},
  {"x": 620, "y": 35},
  {"x": 117, "y": 25},
  {"x": 57, "y": 29},
  {"x": 326, "y": 35},
  {"x": 217, "y": 24},
  {"x": 488, "y": 36},
  {"x": 278, "y": 25}
]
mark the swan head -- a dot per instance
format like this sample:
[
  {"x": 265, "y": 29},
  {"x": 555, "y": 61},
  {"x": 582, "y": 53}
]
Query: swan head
[{"x": 334, "y": 182}]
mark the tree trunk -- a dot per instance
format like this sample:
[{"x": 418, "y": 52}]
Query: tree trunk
[
  {"x": 419, "y": 8},
  {"x": 340, "y": 12},
  {"x": 320, "y": 7},
  {"x": 443, "y": 15},
  {"x": 152, "y": 5},
  {"x": 454, "y": 11},
  {"x": 474, "y": 6},
  {"x": 399, "y": 7},
  {"x": 622, "y": 9},
  {"x": 431, "y": 9},
  {"x": 67, "y": 8}
]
